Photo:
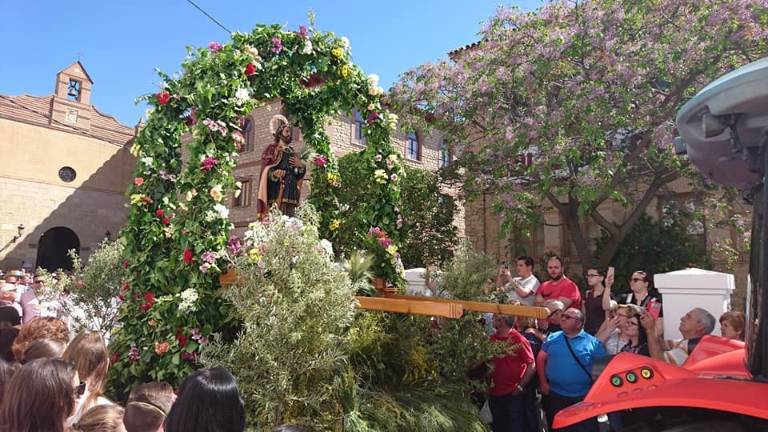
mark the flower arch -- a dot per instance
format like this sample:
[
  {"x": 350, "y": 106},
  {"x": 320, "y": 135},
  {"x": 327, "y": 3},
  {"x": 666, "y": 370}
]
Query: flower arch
[{"x": 177, "y": 232}]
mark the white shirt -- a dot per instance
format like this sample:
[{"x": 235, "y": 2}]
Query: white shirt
[{"x": 529, "y": 283}]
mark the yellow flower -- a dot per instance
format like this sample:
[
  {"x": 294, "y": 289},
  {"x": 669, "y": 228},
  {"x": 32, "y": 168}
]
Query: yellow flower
[
  {"x": 345, "y": 71},
  {"x": 215, "y": 193},
  {"x": 334, "y": 179},
  {"x": 392, "y": 250},
  {"x": 254, "y": 255},
  {"x": 137, "y": 199},
  {"x": 135, "y": 149},
  {"x": 337, "y": 52},
  {"x": 334, "y": 225}
]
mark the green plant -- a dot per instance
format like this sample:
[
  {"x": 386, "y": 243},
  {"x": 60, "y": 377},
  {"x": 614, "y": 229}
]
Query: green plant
[
  {"x": 295, "y": 305},
  {"x": 89, "y": 296},
  {"x": 467, "y": 274},
  {"x": 358, "y": 266}
]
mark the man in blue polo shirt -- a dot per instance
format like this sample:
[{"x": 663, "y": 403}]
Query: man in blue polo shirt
[{"x": 565, "y": 366}]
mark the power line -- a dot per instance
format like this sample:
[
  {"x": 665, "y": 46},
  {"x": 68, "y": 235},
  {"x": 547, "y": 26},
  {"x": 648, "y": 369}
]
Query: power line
[{"x": 209, "y": 16}]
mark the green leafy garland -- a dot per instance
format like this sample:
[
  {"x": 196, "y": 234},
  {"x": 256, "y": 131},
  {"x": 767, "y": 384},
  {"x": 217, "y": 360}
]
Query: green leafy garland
[{"x": 176, "y": 238}]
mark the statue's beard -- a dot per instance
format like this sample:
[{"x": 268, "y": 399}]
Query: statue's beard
[{"x": 286, "y": 140}]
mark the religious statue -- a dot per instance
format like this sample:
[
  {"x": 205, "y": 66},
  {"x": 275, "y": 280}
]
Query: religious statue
[{"x": 282, "y": 172}]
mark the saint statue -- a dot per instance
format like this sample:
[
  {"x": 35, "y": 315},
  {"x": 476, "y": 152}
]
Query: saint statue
[{"x": 282, "y": 172}]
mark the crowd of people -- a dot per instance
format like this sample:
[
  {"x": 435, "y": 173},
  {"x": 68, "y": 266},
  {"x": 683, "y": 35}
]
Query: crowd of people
[
  {"x": 554, "y": 361},
  {"x": 53, "y": 381}
]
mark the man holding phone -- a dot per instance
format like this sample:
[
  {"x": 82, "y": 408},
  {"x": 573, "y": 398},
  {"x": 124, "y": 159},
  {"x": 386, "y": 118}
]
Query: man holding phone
[{"x": 523, "y": 287}]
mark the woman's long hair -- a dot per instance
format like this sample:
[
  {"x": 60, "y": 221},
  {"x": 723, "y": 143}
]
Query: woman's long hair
[
  {"x": 42, "y": 396},
  {"x": 89, "y": 354},
  {"x": 208, "y": 402}
]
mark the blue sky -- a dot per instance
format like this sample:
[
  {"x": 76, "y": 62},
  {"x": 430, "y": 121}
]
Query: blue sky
[{"x": 121, "y": 42}]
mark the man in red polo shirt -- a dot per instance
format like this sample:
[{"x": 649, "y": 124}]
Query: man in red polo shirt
[
  {"x": 511, "y": 373},
  {"x": 558, "y": 287}
]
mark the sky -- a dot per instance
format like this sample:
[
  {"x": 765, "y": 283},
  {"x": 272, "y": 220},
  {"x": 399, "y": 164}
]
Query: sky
[{"x": 122, "y": 42}]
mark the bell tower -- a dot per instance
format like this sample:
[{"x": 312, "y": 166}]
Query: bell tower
[{"x": 71, "y": 104}]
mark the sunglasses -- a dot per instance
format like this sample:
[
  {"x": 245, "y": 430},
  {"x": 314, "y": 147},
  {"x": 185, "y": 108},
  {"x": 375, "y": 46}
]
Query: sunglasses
[{"x": 80, "y": 389}]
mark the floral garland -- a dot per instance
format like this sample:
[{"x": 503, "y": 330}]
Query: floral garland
[{"x": 177, "y": 239}]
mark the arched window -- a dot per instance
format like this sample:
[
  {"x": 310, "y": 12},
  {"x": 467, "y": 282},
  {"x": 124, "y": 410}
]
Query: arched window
[{"x": 412, "y": 146}]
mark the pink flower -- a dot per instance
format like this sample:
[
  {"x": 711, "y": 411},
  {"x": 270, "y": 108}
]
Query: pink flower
[
  {"x": 250, "y": 69},
  {"x": 134, "y": 355},
  {"x": 372, "y": 117},
  {"x": 214, "y": 46},
  {"x": 321, "y": 161},
  {"x": 159, "y": 213},
  {"x": 303, "y": 31},
  {"x": 393, "y": 177},
  {"x": 277, "y": 44},
  {"x": 163, "y": 97},
  {"x": 234, "y": 245},
  {"x": 204, "y": 267},
  {"x": 208, "y": 257},
  {"x": 138, "y": 181},
  {"x": 208, "y": 163}
]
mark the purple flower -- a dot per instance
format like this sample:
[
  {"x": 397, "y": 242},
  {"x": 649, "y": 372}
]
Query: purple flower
[
  {"x": 303, "y": 31},
  {"x": 197, "y": 336},
  {"x": 214, "y": 46},
  {"x": 204, "y": 267},
  {"x": 372, "y": 117},
  {"x": 277, "y": 44},
  {"x": 234, "y": 245},
  {"x": 321, "y": 161},
  {"x": 208, "y": 163},
  {"x": 134, "y": 354},
  {"x": 208, "y": 257}
]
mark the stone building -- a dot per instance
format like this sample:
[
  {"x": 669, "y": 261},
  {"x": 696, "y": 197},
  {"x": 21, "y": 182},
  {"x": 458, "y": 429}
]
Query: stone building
[{"x": 65, "y": 168}]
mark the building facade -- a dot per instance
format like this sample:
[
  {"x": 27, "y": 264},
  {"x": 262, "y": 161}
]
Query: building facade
[{"x": 65, "y": 169}]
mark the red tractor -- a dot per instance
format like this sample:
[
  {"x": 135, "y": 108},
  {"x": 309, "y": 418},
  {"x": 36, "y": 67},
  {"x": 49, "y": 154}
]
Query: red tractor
[{"x": 723, "y": 386}]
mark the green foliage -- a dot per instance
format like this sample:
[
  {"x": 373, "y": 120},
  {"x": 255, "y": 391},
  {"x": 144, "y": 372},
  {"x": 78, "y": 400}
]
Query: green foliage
[
  {"x": 427, "y": 230},
  {"x": 467, "y": 274},
  {"x": 658, "y": 246},
  {"x": 178, "y": 227},
  {"x": 295, "y": 306},
  {"x": 91, "y": 290},
  {"x": 358, "y": 266}
]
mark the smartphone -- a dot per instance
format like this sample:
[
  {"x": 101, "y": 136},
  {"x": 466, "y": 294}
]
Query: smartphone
[
  {"x": 654, "y": 308},
  {"x": 610, "y": 272}
]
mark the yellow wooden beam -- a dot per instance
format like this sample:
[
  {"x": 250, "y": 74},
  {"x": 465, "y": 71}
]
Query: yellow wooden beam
[
  {"x": 475, "y": 306},
  {"x": 389, "y": 304}
]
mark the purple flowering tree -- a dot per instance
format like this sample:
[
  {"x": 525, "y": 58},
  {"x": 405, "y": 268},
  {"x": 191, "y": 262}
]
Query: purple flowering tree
[{"x": 572, "y": 106}]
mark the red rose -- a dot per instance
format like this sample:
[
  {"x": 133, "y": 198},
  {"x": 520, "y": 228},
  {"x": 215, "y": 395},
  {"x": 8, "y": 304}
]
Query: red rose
[
  {"x": 188, "y": 256},
  {"x": 126, "y": 287},
  {"x": 159, "y": 213},
  {"x": 250, "y": 69},
  {"x": 182, "y": 340},
  {"x": 166, "y": 221},
  {"x": 163, "y": 97},
  {"x": 149, "y": 300},
  {"x": 138, "y": 181}
]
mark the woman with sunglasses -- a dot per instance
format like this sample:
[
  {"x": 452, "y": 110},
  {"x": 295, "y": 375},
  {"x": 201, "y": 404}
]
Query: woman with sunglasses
[
  {"x": 42, "y": 395},
  {"x": 642, "y": 295}
]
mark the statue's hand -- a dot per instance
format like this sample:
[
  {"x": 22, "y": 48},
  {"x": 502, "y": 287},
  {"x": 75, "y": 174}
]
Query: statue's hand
[{"x": 296, "y": 162}]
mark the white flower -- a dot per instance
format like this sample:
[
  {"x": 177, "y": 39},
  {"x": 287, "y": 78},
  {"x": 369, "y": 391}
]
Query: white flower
[
  {"x": 242, "y": 95},
  {"x": 392, "y": 157},
  {"x": 221, "y": 211},
  {"x": 147, "y": 161},
  {"x": 373, "y": 80},
  {"x": 307, "y": 47},
  {"x": 327, "y": 247},
  {"x": 345, "y": 42},
  {"x": 188, "y": 299}
]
